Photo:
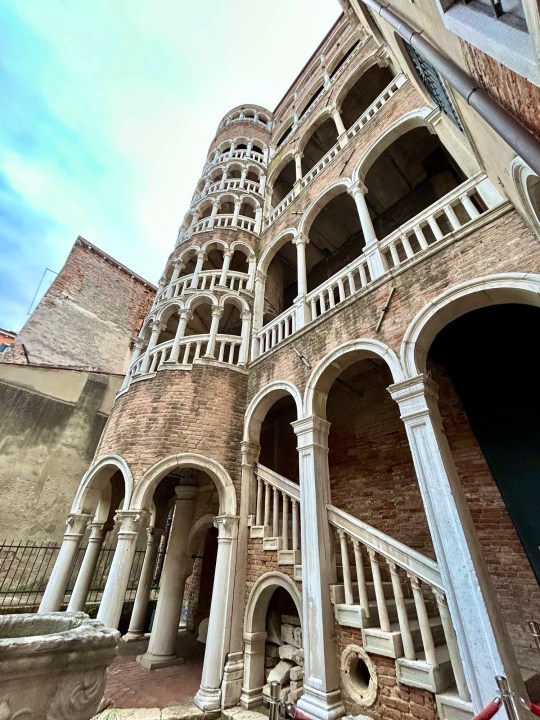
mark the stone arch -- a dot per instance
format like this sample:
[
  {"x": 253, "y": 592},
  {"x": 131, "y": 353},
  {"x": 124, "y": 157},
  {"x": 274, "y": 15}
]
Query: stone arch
[
  {"x": 233, "y": 299},
  {"x": 144, "y": 490},
  {"x": 336, "y": 188},
  {"x": 269, "y": 253},
  {"x": 330, "y": 367},
  {"x": 343, "y": 51},
  {"x": 316, "y": 122},
  {"x": 263, "y": 401},
  {"x": 408, "y": 121},
  {"x": 214, "y": 245},
  {"x": 314, "y": 89},
  {"x": 276, "y": 170},
  {"x": 521, "y": 288},
  {"x": 287, "y": 127},
  {"x": 168, "y": 309},
  {"x": 187, "y": 253},
  {"x": 527, "y": 184},
  {"x": 201, "y": 298},
  {"x": 260, "y": 595},
  {"x": 197, "y": 532},
  {"x": 94, "y": 480},
  {"x": 354, "y": 75},
  {"x": 243, "y": 248}
]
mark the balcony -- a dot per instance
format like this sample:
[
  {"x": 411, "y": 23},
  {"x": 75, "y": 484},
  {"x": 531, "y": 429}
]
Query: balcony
[
  {"x": 459, "y": 211},
  {"x": 205, "y": 280}
]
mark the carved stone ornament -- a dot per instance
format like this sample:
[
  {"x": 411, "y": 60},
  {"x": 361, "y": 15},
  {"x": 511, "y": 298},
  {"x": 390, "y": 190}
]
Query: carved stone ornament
[{"x": 53, "y": 666}]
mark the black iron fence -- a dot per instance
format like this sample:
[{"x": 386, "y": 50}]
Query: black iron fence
[{"x": 25, "y": 569}]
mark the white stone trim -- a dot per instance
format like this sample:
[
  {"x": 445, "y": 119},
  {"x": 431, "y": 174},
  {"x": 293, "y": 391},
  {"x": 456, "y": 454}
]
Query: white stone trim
[
  {"x": 521, "y": 172},
  {"x": 83, "y": 494},
  {"x": 262, "y": 402},
  {"x": 339, "y": 186},
  {"x": 147, "y": 484},
  {"x": 522, "y": 288},
  {"x": 315, "y": 397}
]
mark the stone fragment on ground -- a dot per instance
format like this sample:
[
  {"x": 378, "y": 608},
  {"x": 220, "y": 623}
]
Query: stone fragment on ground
[{"x": 281, "y": 673}]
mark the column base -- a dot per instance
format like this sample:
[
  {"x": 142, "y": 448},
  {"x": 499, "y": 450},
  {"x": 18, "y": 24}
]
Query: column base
[
  {"x": 252, "y": 698},
  {"x": 208, "y": 698},
  {"x": 132, "y": 636},
  {"x": 152, "y": 662},
  {"x": 320, "y": 704}
]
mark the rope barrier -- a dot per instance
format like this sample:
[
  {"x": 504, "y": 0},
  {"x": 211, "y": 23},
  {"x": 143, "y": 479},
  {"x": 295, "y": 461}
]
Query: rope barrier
[{"x": 490, "y": 710}]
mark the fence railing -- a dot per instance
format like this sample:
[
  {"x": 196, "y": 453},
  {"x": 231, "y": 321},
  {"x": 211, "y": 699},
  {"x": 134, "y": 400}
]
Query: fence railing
[{"x": 25, "y": 569}]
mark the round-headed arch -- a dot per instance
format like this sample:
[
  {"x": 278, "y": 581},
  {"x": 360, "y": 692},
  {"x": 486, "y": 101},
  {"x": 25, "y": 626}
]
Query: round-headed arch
[
  {"x": 268, "y": 253},
  {"x": 331, "y": 366},
  {"x": 144, "y": 491},
  {"x": 260, "y": 596},
  {"x": 408, "y": 121},
  {"x": 336, "y": 188},
  {"x": 262, "y": 402},
  {"x": 519, "y": 288},
  {"x": 95, "y": 481}
]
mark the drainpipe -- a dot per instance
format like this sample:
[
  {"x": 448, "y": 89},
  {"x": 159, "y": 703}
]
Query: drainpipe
[{"x": 512, "y": 131}]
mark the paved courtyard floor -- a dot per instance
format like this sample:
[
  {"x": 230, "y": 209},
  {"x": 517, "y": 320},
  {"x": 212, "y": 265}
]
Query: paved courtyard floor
[{"x": 131, "y": 686}]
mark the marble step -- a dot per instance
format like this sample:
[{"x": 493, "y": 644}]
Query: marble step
[{"x": 420, "y": 674}]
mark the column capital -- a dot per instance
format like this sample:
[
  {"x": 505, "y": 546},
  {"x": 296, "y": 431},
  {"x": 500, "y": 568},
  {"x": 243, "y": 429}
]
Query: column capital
[
  {"x": 158, "y": 326},
  {"x": 415, "y": 396},
  {"x": 311, "y": 431},
  {"x": 227, "y": 526},
  {"x": 357, "y": 187},
  {"x": 129, "y": 521},
  {"x": 178, "y": 264},
  {"x": 201, "y": 255},
  {"x": 97, "y": 530},
  {"x": 185, "y": 314},
  {"x": 245, "y": 315},
  {"x": 138, "y": 344},
  {"x": 153, "y": 534},
  {"x": 77, "y": 523},
  {"x": 228, "y": 252},
  {"x": 250, "y": 452},
  {"x": 300, "y": 239},
  {"x": 186, "y": 493},
  {"x": 217, "y": 310},
  {"x": 260, "y": 276}
]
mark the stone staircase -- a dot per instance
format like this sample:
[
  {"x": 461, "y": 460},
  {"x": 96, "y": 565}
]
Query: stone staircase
[{"x": 390, "y": 592}]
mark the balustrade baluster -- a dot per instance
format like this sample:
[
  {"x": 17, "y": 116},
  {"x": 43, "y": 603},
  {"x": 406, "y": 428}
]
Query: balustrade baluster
[
  {"x": 434, "y": 225},
  {"x": 197, "y": 350},
  {"x": 280, "y": 331},
  {"x": 341, "y": 290},
  {"x": 363, "y": 276},
  {"x": 361, "y": 577},
  {"x": 451, "y": 644},
  {"x": 321, "y": 303},
  {"x": 331, "y": 301},
  {"x": 295, "y": 533},
  {"x": 352, "y": 284},
  {"x": 154, "y": 363},
  {"x": 285, "y": 522},
  {"x": 275, "y": 514},
  {"x": 274, "y": 334},
  {"x": 231, "y": 354},
  {"x": 313, "y": 309},
  {"x": 403, "y": 618},
  {"x": 451, "y": 215},
  {"x": 267, "y": 490},
  {"x": 421, "y": 237},
  {"x": 347, "y": 582},
  {"x": 185, "y": 359},
  {"x": 221, "y": 351},
  {"x": 469, "y": 206},
  {"x": 423, "y": 619},
  {"x": 409, "y": 252},
  {"x": 394, "y": 253},
  {"x": 259, "y": 511},
  {"x": 384, "y": 620}
]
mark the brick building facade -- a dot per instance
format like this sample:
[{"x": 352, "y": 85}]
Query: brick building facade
[{"x": 336, "y": 374}]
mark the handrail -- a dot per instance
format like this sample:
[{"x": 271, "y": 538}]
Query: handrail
[
  {"x": 278, "y": 481},
  {"x": 403, "y": 556}
]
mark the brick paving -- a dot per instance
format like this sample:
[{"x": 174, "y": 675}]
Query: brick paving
[{"x": 131, "y": 686}]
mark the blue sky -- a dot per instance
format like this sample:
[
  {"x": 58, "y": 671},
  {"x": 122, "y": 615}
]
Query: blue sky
[{"x": 107, "y": 111}]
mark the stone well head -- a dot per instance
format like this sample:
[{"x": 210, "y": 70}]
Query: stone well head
[{"x": 53, "y": 666}]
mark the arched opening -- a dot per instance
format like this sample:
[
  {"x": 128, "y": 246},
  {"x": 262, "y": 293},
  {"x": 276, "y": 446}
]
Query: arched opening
[
  {"x": 201, "y": 318},
  {"x": 281, "y": 285},
  {"x": 278, "y": 439},
  {"x": 273, "y": 615},
  {"x": 363, "y": 92},
  {"x": 314, "y": 95},
  {"x": 230, "y": 323},
  {"x": 170, "y": 319},
  {"x": 284, "y": 136},
  {"x": 489, "y": 399},
  {"x": 371, "y": 471},
  {"x": 239, "y": 261},
  {"x": 284, "y": 183},
  {"x": 247, "y": 209},
  {"x": 189, "y": 261},
  {"x": 321, "y": 140},
  {"x": 533, "y": 194},
  {"x": 344, "y": 59},
  {"x": 226, "y": 206},
  {"x": 205, "y": 210},
  {"x": 335, "y": 239},
  {"x": 257, "y": 148},
  {"x": 214, "y": 258},
  {"x": 234, "y": 172},
  {"x": 411, "y": 174},
  {"x": 198, "y": 593}
]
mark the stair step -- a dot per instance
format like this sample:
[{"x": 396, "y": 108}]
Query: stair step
[
  {"x": 297, "y": 573},
  {"x": 354, "y": 615},
  {"x": 337, "y": 591},
  {"x": 389, "y": 644},
  {"x": 451, "y": 707},
  {"x": 418, "y": 673}
]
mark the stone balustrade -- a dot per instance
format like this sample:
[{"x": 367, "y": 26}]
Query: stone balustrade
[
  {"x": 278, "y": 329},
  {"x": 235, "y": 281},
  {"x": 250, "y": 186}
]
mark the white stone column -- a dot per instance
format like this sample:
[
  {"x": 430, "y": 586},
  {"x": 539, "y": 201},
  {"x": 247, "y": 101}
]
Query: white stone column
[
  {"x": 140, "y": 606},
  {"x": 258, "y": 311},
  {"x": 163, "y": 639},
  {"x": 161, "y": 286},
  {"x": 303, "y": 313},
  {"x": 258, "y": 219},
  {"x": 222, "y": 180},
  {"x": 215, "y": 209},
  {"x": 298, "y": 165},
  {"x": 217, "y": 312},
  {"x": 184, "y": 317},
  {"x": 340, "y": 127},
  {"x": 243, "y": 177},
  {"x": 177, "y": 269},
  {"x": 483, "y": 641},
  {"x": 262, "y": 184},
  {"x": 321, "y": 698},
  {"x": 157, "y": 327},
  {"x": 244, "y": 347},
  {"x": 194, "y": 221},
  {"x": 114, "y": 593},
  {"x": 234, "y": 675},
  {"x": 371, "y": 249},
  {"x": 137, "y": 352},
  {"x": 252, "y": 267},
  {"x": 227, "y": 255},
  {"x": 201, "y": 257},
  {"x": 78, "y": 597},
  {"x": 58, "y": 582},
  {"x": 208, "y": 696},
  {"x": 236, "y": 213}
]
